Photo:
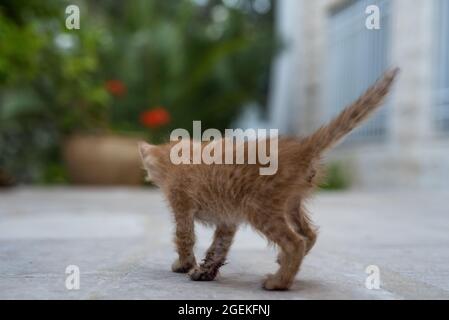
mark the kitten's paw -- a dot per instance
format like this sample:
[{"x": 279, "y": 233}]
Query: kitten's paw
[
  {"x": 179, "y": 267},
  {"x": 201, "y": 274},
  {"x": 271, "y": 282}
]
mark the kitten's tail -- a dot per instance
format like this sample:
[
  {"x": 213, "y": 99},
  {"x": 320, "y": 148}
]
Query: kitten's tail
[{"x": 352, "y": 116}]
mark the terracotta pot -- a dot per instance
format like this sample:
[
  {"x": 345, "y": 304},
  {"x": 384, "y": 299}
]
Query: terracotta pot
[{"x": 102, "y": 160}]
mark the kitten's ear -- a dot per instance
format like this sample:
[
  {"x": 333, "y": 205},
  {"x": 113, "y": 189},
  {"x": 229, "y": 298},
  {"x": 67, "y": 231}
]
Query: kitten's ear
[{"x": 144, "y": 149}]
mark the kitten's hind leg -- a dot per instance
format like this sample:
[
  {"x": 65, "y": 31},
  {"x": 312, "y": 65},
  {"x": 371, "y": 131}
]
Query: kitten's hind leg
[
  {"x": 184, "y": 240},
  {"x": 303, "y": 225},
  {"x": 291, "y": 244},
  {"x": 216, "y": 254}
]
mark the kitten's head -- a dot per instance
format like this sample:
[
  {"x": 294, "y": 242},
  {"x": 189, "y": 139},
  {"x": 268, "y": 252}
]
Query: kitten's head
[{"x": 155, "y": 162}]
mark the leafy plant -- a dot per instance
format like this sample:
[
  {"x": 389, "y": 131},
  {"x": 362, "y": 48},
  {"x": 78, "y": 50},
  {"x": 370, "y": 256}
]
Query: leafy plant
[
  {"x": 141, "y": 66},
  {"x": 198, "y": 62},
  {"x": 336, "y": 178}
]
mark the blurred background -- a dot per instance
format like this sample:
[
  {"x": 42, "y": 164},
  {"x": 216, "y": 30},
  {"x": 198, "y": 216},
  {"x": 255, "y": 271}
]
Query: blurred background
[
  {"x": 73, "y": 103},
  {"x": 134, "y": 70}
]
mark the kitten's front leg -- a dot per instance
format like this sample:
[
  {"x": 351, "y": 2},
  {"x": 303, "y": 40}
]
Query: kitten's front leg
[
  {"x": 184, "y": 240},
  {"x": 216, "y": 254}
]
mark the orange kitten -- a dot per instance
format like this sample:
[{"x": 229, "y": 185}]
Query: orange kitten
[{"x": 226, "y": 195}]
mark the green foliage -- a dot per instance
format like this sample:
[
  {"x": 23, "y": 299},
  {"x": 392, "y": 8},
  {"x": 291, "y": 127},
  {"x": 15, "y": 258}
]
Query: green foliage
[
  {"x": 198, "y": 62},
  {"x": 177, "y": 56},
  {"x": 336, "y": 178},
  {"x": 45, "y": 91}
]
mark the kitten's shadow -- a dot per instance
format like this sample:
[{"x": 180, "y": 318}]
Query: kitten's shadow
[{"x": 251, "y": 283}]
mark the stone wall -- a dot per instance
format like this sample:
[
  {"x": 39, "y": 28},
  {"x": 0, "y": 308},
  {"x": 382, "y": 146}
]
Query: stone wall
[{"x": 413, "y": 153}]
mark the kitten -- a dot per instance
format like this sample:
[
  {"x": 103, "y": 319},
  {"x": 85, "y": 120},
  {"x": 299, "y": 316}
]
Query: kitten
[{"x": 227, "y": 195}]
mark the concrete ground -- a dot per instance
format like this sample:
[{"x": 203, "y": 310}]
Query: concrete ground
[{"x": 121, "y": 241}]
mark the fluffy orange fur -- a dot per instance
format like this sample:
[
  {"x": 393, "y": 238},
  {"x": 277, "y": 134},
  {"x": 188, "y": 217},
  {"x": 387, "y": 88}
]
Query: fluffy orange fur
[{"x": 227, "y": 195}]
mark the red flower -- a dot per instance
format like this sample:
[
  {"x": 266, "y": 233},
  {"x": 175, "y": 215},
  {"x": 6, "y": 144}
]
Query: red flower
[
  {"x": 155, "y": 118},
  {"x": 116, "y": 87}
]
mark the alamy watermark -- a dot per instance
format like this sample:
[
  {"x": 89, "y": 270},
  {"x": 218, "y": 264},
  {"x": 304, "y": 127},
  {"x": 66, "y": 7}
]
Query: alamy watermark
[
  {"x": 72, "y": 21},
  {"x": 72, "y": 281},
  {"x": 210, "y": 147},
  {"x": 372, "y": 282},
  {"x": 372, "y": 21}
]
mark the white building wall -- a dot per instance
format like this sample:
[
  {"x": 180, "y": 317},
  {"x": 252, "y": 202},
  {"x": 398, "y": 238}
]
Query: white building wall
[
  {"x": 286, "y": 78},
  {"x": 413, "y": 153}
]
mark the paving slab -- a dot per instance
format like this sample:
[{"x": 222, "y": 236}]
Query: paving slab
[{"x": 121, "y": 240}]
